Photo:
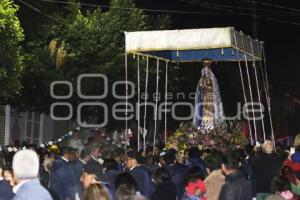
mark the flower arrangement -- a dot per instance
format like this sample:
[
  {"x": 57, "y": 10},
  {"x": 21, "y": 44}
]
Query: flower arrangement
[{"x": 222, "y": 138}]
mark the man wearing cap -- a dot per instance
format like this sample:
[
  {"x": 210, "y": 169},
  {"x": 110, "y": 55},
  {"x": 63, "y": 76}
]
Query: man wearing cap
[{"x": 139, "y": 173}]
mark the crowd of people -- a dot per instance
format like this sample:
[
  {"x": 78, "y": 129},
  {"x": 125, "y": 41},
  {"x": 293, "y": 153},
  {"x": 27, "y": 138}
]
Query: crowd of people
[{"x": 66, "y": 173}]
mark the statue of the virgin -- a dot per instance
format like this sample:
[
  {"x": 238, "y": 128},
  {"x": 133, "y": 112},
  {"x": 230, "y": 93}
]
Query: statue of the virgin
[{"x": 208, "y": 105}]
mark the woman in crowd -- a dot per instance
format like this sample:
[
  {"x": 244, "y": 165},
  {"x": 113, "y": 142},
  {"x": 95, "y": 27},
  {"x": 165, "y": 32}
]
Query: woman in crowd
[
  {"x": 126, "y": 192},
  {"x": 96, "y": 192}
]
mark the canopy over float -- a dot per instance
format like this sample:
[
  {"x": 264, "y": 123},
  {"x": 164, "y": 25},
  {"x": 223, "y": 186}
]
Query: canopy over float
[{"x": 192, "y": 45}]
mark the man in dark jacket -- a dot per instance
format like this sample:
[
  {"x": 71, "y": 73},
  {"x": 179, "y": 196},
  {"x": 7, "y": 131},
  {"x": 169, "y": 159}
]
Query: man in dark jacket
[
  {"x": 81, "y": 162},
  {"x": 93, "y": 162},
  {"x": 177, "y": 172},
  {"x": 63, "y": 180},
  {"x": 195, "y": 160},
  {"x": 139, "y": 173},
  {"x": 111, "y": 172},
  {"x": 265, "y": 166},
  {"x": 236, "y": 186},
  {"x": 78, "y": 166},
  {"x": 164, "y": 188}
]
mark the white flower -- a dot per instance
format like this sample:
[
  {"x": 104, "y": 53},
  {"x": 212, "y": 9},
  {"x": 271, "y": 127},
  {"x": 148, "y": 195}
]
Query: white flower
[{"x": 100, "y": 160}]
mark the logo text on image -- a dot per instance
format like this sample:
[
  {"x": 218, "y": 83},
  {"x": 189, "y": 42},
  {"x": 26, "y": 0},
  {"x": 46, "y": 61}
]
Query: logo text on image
[
  {"x": 249, "y": 111},
  {"x": 82, "y": 96}
]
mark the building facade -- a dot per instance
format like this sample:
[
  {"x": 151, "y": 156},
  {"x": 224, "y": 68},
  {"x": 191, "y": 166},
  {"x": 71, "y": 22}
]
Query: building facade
[{"x": 31, "y": 127}]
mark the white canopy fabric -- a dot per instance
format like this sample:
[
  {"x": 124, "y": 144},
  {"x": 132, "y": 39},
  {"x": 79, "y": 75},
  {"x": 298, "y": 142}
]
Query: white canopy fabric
[{"x": 144, "y": 42}]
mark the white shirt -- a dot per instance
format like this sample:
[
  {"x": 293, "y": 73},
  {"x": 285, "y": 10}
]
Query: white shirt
[
  {"x": 17, "y": 187},
  {"x": 64, "y": 159},
  {"x": 83, "y": 162},
  {"x": 97, "y": 160},
  {"x": 132, "y": 168},
  {"x": 94, "y": 158}
]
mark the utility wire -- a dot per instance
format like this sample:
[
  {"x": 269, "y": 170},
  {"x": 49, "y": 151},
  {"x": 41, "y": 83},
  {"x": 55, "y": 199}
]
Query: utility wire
[
  {"x": 195, "y": 2},
  {"x": 39, "y": 11},
  {"x": 144, "y": 9},
  {"x": 250, "y": 9},
  {"x": 272, "y": 5}
]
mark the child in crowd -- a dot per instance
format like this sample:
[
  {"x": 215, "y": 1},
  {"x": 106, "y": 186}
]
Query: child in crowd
[{"x": 195, "y": 189}]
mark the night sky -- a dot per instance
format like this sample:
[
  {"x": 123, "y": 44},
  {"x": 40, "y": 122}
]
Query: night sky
[
  {"x": 282, "y": 43},
  {"x": 281, "y": 39}
]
